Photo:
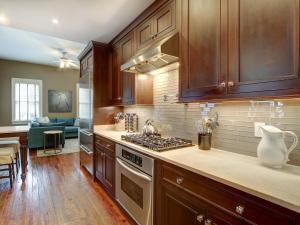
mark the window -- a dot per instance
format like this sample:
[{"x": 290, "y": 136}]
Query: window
[{"x": 26, "y": 99}]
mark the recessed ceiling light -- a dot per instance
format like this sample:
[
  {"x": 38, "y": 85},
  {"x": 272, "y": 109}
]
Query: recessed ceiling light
[
  {"x": 3, "y": 19},
  {"x": 55, "y": 21}
]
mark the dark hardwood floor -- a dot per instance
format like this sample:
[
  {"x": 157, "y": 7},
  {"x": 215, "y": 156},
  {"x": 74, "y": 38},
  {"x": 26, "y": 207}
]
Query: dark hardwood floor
[{"x": 57, "y": 192}]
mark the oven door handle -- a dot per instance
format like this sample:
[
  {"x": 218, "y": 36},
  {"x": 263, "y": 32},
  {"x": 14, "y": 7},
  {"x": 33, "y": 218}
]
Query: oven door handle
[{"x": 133, "y": 171}]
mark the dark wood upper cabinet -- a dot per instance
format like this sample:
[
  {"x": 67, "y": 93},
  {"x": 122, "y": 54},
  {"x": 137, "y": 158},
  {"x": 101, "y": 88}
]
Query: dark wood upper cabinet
[
  {"x": 117, "y": 80},
  {"x": 164, "y": 20},
  {"x": 144, "y": 33},
  {"x": 234, "y": 49},
  {"x": 156, "y": 26},
  {"x": 263, "y": 47},
  {"x": 127, "y": 51},
  {"x": 203, "y": 54},
  {"x": 96, "y": 60},
  {"x": 123, "y": 83},
  {"x": 128, "y": 89},
  {"x": 86, "y": 64}
]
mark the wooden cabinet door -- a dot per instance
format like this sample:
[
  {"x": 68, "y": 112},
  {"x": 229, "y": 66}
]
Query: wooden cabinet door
[
  {"x": 90, "y": 63},
  {"x": 263, "y": 47},
  {"x": 86, "y": 64},
  {"x": 117, "y": 79},
  {"x": 178, "y": 209},
  {"x": 164, "y": 20},
  {"x": 144, "y": 89},
  {"x": 123, "y": 83},
  {"x": 109, "y": 172},
  {"x": 203, "y": 66},
  {"x": 128, "y": 88},
  {"x": 144, "y": 33},
  {"x": 99, "y": 167},
  {"x": 127, "y": 51}
]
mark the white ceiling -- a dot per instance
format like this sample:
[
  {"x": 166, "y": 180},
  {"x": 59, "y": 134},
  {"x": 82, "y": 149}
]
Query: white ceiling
[
  {"x": 79, "y": 20},
  {"x": 31, "y": 47},
  {"x": 36, "y": 39}
]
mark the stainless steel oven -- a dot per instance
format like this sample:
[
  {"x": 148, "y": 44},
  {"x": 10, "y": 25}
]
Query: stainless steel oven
[{"x": 134, "y": 184}]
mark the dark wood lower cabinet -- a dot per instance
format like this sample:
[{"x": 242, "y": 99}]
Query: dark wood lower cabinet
[
  {"x": 104, "y": 161},
  {"x": 180, "y": 208},
  {"x": 182, "y": 197}
]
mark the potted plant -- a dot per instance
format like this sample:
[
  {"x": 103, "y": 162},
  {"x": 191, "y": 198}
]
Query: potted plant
[{"x": 205, "y": 127}]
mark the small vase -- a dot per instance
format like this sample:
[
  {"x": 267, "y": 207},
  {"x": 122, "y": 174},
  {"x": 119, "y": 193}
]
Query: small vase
[{"x": 204, "y": 141}]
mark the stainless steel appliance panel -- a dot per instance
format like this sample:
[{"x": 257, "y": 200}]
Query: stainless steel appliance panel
[
  {"x": 134, "y": 184},
  {"x": 85, "y": 110}
]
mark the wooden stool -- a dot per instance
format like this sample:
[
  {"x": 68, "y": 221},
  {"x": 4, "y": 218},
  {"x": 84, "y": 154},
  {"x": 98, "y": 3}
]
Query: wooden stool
[
  {"x": 6, "y": 159},
  {"x": 12, "y": 142}
]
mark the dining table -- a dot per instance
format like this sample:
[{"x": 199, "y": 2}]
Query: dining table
[{"x": 22, "y": 133}]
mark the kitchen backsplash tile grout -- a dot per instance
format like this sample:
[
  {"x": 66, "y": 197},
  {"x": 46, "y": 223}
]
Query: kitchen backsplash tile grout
[{"x": 236, "y": 131}]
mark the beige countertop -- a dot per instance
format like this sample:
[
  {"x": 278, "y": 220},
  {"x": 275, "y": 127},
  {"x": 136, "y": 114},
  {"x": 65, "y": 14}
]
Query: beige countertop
[
  {"x": 14, "y": 129},
  {"x": 280, "y": 186}
]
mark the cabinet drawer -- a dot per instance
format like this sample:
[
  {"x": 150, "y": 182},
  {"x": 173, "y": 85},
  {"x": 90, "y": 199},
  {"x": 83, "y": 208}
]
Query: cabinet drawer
[
  {"x": 103, "y": 142},
  {"x": 245, "y": 206}
]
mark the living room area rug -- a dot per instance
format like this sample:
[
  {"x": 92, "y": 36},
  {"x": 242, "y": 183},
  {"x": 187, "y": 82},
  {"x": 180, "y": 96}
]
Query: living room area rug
[{"x": 71, "y": 146}]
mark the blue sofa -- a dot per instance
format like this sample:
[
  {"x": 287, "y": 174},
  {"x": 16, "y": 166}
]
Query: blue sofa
[
  {"x": 71, "y": 131},
  {"x": 36, "y": 135},
  {"x": 36, "y": 131}
]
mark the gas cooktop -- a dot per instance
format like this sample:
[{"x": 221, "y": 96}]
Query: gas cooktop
[{"x": 156, "y": 142}]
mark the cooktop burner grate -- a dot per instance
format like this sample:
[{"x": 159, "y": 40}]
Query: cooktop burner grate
[{"x": 156, "y": 142}]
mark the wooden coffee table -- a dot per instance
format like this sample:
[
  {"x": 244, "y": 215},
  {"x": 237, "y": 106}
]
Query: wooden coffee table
[{"x": 54, "y": 133}]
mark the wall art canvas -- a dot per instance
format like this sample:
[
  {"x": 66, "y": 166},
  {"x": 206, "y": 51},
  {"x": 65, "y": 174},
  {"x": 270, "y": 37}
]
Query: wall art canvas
[{"x": 59, "y": 101}]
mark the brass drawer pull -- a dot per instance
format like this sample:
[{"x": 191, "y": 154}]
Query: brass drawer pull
[
  {"x": 179, "y": 180},
  {"x": 200, "y": 218},
  {"x": 240, "y": 209}
]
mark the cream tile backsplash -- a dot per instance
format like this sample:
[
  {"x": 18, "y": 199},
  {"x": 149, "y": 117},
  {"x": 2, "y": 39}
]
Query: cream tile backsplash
[{"x": 236, "y": 130}]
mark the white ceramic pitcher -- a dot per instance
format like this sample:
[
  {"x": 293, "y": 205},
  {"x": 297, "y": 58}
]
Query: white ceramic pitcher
[{"x": 272, "y": 150}]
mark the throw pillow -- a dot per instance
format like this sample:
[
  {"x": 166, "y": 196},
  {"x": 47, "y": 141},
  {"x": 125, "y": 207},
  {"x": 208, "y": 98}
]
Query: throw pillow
[
  {"x": 77, "y": 122},
  {"x": 34, "y": 124},
  {"x": 44, "y": 119}
]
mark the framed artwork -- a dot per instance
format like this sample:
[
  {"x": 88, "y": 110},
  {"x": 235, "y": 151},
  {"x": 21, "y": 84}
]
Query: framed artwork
[{"x": 59, "y": 101}]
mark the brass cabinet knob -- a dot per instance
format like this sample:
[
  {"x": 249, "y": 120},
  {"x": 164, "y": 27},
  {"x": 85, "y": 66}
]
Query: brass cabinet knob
[
  {"x": 222, "y": 85},
  {"x": 240, "y": 209},
  {"x": 179, "y": 180},
  {"x": 230, "y": 83},
  {"x": 208, "y": 222},
  {"x": 200, "y": 218}
]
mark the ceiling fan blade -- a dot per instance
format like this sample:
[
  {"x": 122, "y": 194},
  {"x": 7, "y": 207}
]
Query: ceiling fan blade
[{"x": 74, "y": 65}]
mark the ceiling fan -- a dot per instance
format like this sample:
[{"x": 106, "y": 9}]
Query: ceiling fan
[{"x": 66, "y": 60}]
